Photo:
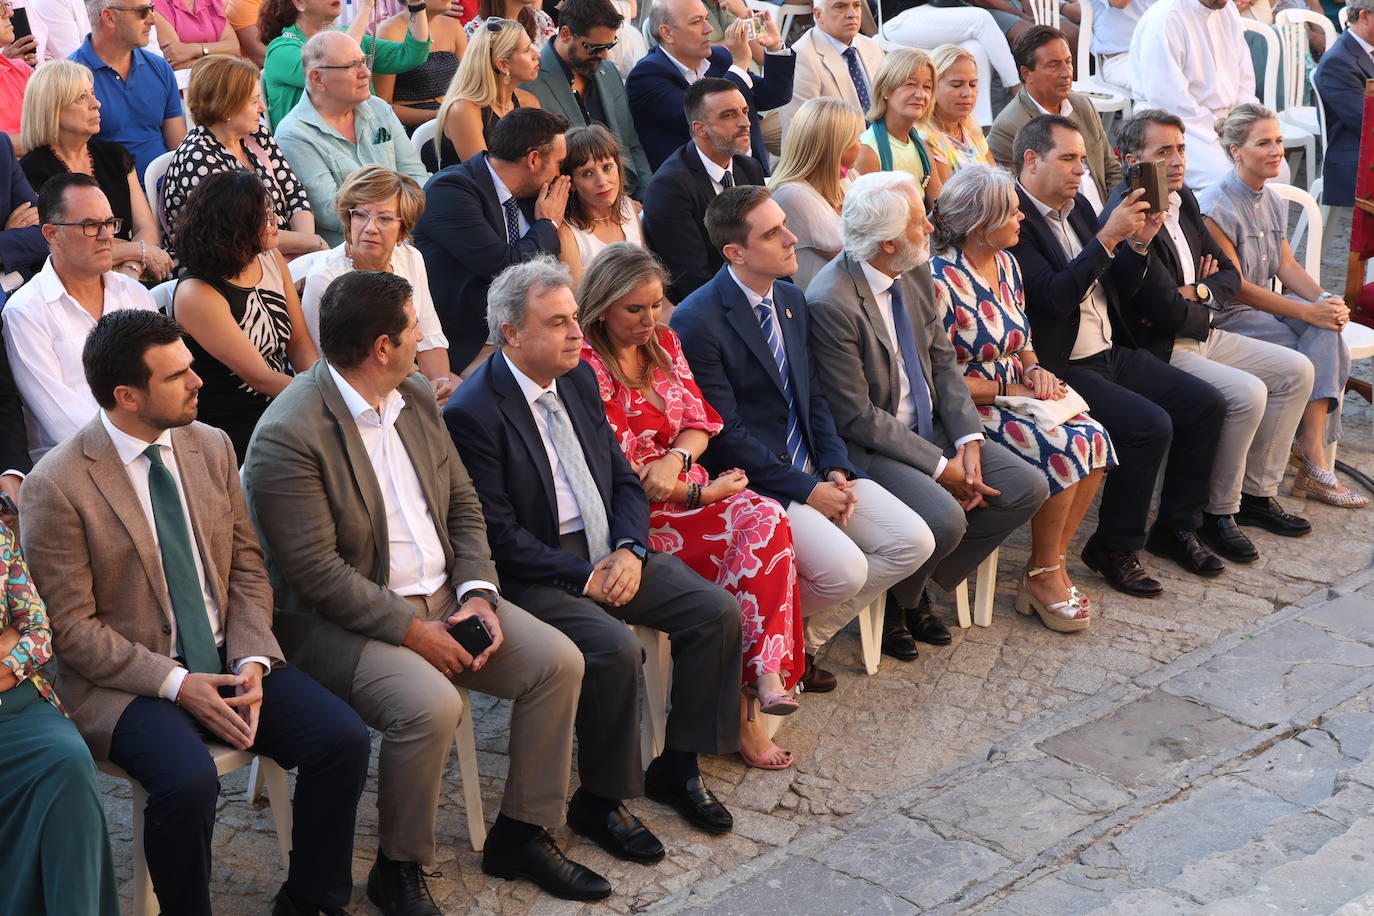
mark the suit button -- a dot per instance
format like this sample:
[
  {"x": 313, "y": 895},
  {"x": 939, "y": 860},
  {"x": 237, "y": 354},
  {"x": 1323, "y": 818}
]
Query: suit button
[
  {"x": 167, "y": 629},
  {"x": 785, "y": 456}
]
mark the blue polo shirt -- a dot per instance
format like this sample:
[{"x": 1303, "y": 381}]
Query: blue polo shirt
[{"x": 132, "y": 110}]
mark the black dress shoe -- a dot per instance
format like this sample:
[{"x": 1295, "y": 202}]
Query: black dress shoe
[
  {"x": 1222, "y": 535},
  {"x": 288, "y": 905},
  {"x": 1265, "y": 512},
  {"x": 618, "y": 831},
  {"x": 692, "y": 800},
  {"x": 1183, "y": 547},
  {"x": 540, "y": 860},
  {"x": 816, "y": 680},
  {"x": 897, "y": 640},
  {"x": 922, "y": 624},
  {"x": 398, "y": 889},
  {"x": 1121, "y": 569}
]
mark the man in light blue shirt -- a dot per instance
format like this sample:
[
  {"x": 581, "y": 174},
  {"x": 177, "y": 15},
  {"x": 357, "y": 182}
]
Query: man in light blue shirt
[{"x": 1113, "y": 23}]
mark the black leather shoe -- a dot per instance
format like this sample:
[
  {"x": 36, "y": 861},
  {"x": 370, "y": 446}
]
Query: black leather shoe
[
  {"x": 1265, "y": 512},
  {"x": 897, "y": 640},
  {"x": 1121, "y": 569},
  {"x": 1222, "y": 535},
  {"x": 540, "y": 860},
  {"x": 618, "y": 832},
  {"x": 692, "y": 800},
  {"x": 398, "y": 889},
  {"x": 286, "y": 905},
  {"x": 1183, "y": 547},
  {"x": 816, "y": 680},
  {"x": 923, "y": 625}
]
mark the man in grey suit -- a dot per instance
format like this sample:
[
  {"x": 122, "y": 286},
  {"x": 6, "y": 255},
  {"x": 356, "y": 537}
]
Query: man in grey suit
[
  {"x": 577, "y": 81},
  {"x": 899, "y": 400},
  {"x": 376, "y": 546}
]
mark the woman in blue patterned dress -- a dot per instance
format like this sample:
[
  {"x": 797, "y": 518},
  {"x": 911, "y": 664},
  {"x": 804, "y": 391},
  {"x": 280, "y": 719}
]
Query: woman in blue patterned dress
[{"x": 978, "y": 285}]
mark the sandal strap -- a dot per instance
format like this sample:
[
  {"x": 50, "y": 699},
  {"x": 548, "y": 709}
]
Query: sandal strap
[{"x": 1041, "y": 570}]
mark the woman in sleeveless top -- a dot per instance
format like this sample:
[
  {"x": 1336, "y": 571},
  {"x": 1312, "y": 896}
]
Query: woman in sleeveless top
[
  {"x": 237, "y": 304},
  {"x": 537, "y": 24},
  {"x": 952, "y": 133},
  {"x": 415, "y": 94},
  {"x": 903, "y": 97},
  {"x": 500, "y": 57},
  {"x": 599, "y": 213}
]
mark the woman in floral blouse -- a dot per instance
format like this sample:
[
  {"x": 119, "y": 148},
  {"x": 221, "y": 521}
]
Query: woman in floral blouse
[{"x": 57, "y": 855}]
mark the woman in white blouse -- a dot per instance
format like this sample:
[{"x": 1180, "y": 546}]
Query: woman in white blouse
[
  {"x": 378, "y": 208},
  {"x": 600, "y": 211}
]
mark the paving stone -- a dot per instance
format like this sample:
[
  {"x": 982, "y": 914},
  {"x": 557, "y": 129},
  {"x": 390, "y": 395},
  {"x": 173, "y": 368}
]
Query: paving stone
[
  {"x": 1145, "y": 742},
  {"x": 1070, "y": 891},
  {"x": 1147, "y": 902},
  {"x": 797, "y": 885},
  {"x": 1227, "y": 874},
  {"x": 1081, "y": 788},
  {"x": 1295, "y": 772},
  {"x": 1353, "y": 732},
  {"x": 1351, "y": 616}
]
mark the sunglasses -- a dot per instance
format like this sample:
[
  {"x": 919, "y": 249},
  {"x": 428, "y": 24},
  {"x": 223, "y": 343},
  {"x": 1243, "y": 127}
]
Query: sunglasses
[
  {"x": 598, "y": 48},
  {"x": 143, "y": 11}
]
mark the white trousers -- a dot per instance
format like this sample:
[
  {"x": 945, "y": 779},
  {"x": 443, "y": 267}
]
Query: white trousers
[{"x": 969, "y": 27}]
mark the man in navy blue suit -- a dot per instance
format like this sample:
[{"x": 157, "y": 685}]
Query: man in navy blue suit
[
  {"x": 658, "y": 82},
  {"x": 745, "y": 335},
  {"x": 1340, "y": 79}
]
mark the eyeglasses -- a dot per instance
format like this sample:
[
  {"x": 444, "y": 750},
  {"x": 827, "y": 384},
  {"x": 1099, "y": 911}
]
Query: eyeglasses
[
  {"x": 91, "y": 228},
  {"x": 143, "y": 11},
  {"x": 383, "y": 221},
  {"x": 598, "y": 48},
  {"x": 357, "y": 66}
]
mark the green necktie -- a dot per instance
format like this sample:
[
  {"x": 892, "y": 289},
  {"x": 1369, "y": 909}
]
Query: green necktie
[{"x": 196, "y": 641}]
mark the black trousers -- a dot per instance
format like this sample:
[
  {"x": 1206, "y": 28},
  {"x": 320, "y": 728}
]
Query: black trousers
[
  {"x": 301, "y": 724},
  {"x": 1153, "y": 413}
]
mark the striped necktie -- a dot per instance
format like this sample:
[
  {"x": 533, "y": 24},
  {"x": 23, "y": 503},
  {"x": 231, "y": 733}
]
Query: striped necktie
[
  {"x": 512, "y": 208},
  {"x": 796, "y": 444},
  {"x": 574, "y": 463}
]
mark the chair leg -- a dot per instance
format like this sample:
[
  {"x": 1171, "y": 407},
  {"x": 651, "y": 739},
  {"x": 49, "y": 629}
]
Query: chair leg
[
  {"x": 145, "y": 901},
  {"x": 279, "y": 797},
  {"x": 255, "y": 782},
  {"x": 465, "y": 745},
  {"x": 656, "y": 672},
  {"x": 871, "y": 633},
  {"x": 987, "y": 588}
]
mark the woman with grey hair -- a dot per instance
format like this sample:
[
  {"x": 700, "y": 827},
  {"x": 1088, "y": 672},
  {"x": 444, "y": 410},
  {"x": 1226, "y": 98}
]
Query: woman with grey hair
[{"x": 978, "y": 289}]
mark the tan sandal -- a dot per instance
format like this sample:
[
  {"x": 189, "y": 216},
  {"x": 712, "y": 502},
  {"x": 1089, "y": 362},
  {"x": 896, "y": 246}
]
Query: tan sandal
[{"x": 1061, "y": 616}]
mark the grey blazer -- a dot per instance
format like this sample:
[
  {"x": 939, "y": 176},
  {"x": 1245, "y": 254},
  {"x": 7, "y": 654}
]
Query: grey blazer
[
  {"x": 858, "y": 364},
  {"x": 1106, "y": 170},
  {"x": 322, "y": 518}
]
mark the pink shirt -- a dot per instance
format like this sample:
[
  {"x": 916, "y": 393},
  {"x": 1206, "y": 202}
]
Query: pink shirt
[
  {"x": 14, "y": 76},
  {"x": 205, "y": 25}
]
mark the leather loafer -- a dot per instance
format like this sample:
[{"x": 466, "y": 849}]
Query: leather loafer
[
  {"x": 897, "y": 640},
  {"x": 923, "y": 625},
  {"x": 284, "y": 905},
  {"x": 692, "y": 800},
  {"x": 816, "y": 680},
  {"x": 399, "y": 889},
  {"x": 1265, "y": 512},
  {"x": 1121, "y": 569},
  {"x": 618, "y": 832},
  {"x": 1183, "y": 547},
  {"x": 540, "y": 860},
  {"x": 1222, "y": 535}
]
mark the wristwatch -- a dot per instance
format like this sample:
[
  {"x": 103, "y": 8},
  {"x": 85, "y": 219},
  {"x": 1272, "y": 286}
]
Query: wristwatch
[
  {"x": 415, "y": 8},
  {"x": 686, "y": 457},
  {"x": 638, "y": 550},
  {"x": 492, "y": 598},
  {"x": 1203, "y": 293}
]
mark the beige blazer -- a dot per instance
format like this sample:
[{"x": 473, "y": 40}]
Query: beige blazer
[
  {"x": 1102, "y": 161},
  {"x": 821, "y": 70},
  {"x": 96, "y": 565}
]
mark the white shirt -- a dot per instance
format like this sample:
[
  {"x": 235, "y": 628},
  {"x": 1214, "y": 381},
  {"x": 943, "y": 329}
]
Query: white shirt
[
  {"x": 1094, "y": 325},
  {"x": 1089, "y": 186},
  {"x": 1175, "y": 230},
  {"x": 1112, "y": 27},
  {"x": 406, "y": 261},
  {"x": 503, "y": 194},
  {"x": 691, "y": 75},
  {"x": 715, "y": 172},
  {"x": 136, "y": 464},
  {"x": 881, "y": 286},
  {"x": 1368, "y": 48},
  {"x": 65, "y": 25},
  {"x": 45, "y": 330},
  {"x": 569, "y": 515}
]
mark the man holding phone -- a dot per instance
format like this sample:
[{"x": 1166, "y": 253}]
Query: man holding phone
[{"x": 377, "y": 547}]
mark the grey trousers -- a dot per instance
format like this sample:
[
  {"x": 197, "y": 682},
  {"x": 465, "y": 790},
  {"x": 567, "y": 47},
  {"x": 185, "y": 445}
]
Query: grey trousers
[
  {"x": 1266, "y": 387},
  {"x": 417, "y": 711}
]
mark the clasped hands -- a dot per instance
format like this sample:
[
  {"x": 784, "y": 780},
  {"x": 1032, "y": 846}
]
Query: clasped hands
[{"x": 963, "y": 476}]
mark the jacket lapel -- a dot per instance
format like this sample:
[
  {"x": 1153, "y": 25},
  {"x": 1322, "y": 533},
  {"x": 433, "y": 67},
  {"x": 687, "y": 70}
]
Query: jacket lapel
[
  {"x": 512, "y": 403},
  {"x": 358, "y": 462},
  {"x": 409, "y": 427},
  {"x": 746, "y": 324},
  {"x": 195, "y": 479},
  {"x": 477, "y": 171},
  {"x": 868, "y": 304},
  {"x": 834, "y": 65}
]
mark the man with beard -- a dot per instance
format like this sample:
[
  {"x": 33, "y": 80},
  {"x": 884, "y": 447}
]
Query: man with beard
[
  {"x": 578, "y": 82},
  {"x": 888, "y": 370},
  {"x": 684, "y": 186}
]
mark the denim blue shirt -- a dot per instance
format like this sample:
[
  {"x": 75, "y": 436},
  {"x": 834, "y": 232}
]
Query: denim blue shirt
[{"x": 132, "y": 109}]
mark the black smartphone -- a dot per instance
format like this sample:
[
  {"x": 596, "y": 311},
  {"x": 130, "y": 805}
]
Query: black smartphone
[
  {"x": 472, "y": 634},
  {"x": 1153, "y": 177},
  {"x": 19, "y": 19},
  {"x": 7, "y": 506}
]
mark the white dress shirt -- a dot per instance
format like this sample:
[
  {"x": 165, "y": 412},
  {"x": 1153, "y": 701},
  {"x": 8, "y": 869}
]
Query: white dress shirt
[
  {"x": 502, "y": 195},
  {"x": 1181, "y": 246},
  {"x": 45, "y": 330},
  {"x": 1094, "y": 324},
  {"x": 715, "y": 172},
  {"x": 136, "y": 464},
  {"x": 1089, "y": 186},
  {"x": 406, "y": 261},
  {"x": 569, "y": 515}
]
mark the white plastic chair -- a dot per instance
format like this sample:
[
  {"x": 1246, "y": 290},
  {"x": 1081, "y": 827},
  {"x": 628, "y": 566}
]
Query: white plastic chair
[
  {"x": 1294, "y": 136},
  {"x": 1105, "y": 96},
  {"x": 1291, "y": 26},
  {"x": 1309, "y": 225},
  {"x": 1343, "y": 17},
  {"x": 1319, "y": 185},
  {"x": 658, "y": 666},
  {"x": 162, "y": 296},
  {"x": 152, "y": 182},
  {"x": 424, "y": 134},
  {"x": 300, "y": 266},
  {"x": 227, "y": 760}
]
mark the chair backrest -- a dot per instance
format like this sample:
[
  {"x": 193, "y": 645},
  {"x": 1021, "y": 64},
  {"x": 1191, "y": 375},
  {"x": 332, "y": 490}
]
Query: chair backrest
[
  {"x": 300, "y": 266},
  {"x": 162, "y": 295},
  {"x": 424, "y": 134},
  {"x": 1343, "y": 17},
  {"x": 1084, "y": 54},
  {"x": 1309, "y": 17},
  {"x": 152, "y": 184},
  {"x": 1045, "y": 12},
  {"x": 1269, "y": 84},
  {"x": 1317, "y": 101},
  {"x": 1309, "y": 225},
  {"x": 1292, "y": 59}
]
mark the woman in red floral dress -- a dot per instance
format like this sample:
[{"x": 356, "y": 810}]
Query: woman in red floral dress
[{"x": 722, "y": 530}]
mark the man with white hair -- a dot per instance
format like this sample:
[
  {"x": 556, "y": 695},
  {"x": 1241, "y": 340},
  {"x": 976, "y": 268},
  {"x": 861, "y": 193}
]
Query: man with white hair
[
  {"x": 339, "y": 126},
  {"x": 898, "y": 396},
  {"x": 833, "y": 59}
]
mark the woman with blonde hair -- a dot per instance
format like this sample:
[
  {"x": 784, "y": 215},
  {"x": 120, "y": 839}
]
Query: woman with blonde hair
[
  {"x": 818, "y": 151},
  {"x": 377, "y": 208},
  {"x": 600, "y": 212},
  {"x": 58, "y": 127},
  {"x": 952, "y": 134},
  {"x": 725, "y": 532},
  {"x": 500, "y": 58},
  {"x": 537, "y": 24},
  {"x": 903, "y": 97}
]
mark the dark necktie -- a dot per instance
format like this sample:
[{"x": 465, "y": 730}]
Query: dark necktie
[
  {"x": 727, "y": 180},
  {"x": 512, "y": 208},
  {"x": 856, "y": 73},
  {"x": 194, "y": 637},
  {"x": 768, "y": 321},
  {"x": 911, "y": 360}
]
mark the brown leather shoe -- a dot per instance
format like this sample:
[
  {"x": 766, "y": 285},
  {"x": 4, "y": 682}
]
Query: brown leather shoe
[
  {"x": 817, "y": 680},
  {"x": 1183, "y": 547},
  {"x": 1121, "y": 569}
]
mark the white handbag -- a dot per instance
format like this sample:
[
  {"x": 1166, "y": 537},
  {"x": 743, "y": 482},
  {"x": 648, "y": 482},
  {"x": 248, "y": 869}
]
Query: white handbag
[{"x": 1047, "y": 413}]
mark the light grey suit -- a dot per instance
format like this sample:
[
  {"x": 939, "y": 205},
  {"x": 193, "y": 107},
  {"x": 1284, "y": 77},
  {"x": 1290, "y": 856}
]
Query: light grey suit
[
  {"x": 822, "y": 71},
  {"x": 858, "y": 362}
]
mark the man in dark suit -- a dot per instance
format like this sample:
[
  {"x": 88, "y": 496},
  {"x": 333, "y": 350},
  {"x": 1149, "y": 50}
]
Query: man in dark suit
[
  {"x": 1076, "y": 271},
  {"x": 745, "y": 335},
  {"x": 901, "y": 404},
  {"x": 568, "y": 522},
  {"x": 22, "y": 246},
  {"x": 14, "y": 438},
  {"x": 483, "y": 215},
  {"x": 1340, "y": 79},
  {"x": 1266, "y": 386},
  {"x": 685, "y": 55},
  {"x": 578, "y": 82},
  {"x": 716, "y": 158}
]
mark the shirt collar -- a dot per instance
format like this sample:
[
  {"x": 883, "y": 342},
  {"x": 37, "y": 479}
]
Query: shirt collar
[
  {"x": 502, "y": 192},
  {"x": 1065, "y": 108},
  {"x": 878, "y": 281},
  {"x": 51, "y": 288},
  {"x": 528, "y": 386},
  {"x": 357, "y": 405},
  {"x": 753, "y": 297},
  {"x": 1046, "y": 210},
  {"x": 1236, "y": 185},
  {"x": 1368, "y": 48},
  {"x": 687, "y": 73},
  {"x": 714, "y": 171},
  {"x": 1175, "y": 205},
  {"x": 839, "y": 46},
  {"x": 128, "y": 447}
]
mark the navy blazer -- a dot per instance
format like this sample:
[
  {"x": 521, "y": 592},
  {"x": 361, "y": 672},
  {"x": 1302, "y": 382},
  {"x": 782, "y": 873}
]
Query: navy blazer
[
  {"x": 1157, "y": 314},
  {"x": 14, "y": 438},
  {"x": 1340, "y": 80},
  {"x": 737, "y": 375},
  {"x": 462, "y": 235},
  {"x": 496, "y": 436},
  {"x": 24, "y": 249},
  {"x": 1055, "y": 286},
  {"x": 656, "y": 88},
  {"x": 675, "y": 218}
]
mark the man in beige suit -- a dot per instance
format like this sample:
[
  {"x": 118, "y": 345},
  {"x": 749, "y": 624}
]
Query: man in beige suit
[
  {"x": 376, "y": 545},
  {"x": 833, "y": 59},
  {"x": 140, "y": 543}
]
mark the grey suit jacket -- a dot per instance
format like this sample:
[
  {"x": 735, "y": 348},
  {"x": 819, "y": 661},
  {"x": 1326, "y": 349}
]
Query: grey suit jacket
[
  {"x": 858, "y": 364},
  {"x": 822, "y": 71},
  {"x": 554, "y": 94},
  {"x": 1101, "y": 160},
  {"x": 319, "y": 509}
]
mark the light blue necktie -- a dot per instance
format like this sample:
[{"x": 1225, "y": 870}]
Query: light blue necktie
[
  {"x": 768, "y": 321},
  {"x": 856, "y": 73},
  {"x": 911, "y": 360},
  {"x": 584, "y": 488}
]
